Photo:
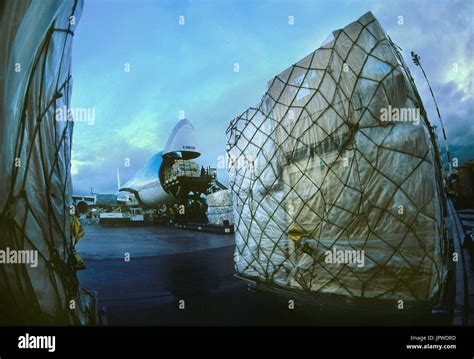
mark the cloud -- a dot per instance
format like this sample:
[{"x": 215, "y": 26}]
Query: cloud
[
  {"x": 457, "y": 113},
  {"x": 190, "y": 68},
  {"x": 441, "y": 33}
]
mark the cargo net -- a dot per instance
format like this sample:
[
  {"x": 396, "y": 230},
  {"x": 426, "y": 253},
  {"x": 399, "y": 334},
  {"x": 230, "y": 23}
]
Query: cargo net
[
  {"x": 184, "y": 168},
  {"x": 36, "y": 214},
  {"x": 329, "y": 196}
]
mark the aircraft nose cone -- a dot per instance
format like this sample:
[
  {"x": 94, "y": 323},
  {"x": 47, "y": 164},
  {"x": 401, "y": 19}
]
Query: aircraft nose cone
[{"x": 182, "y": 141}]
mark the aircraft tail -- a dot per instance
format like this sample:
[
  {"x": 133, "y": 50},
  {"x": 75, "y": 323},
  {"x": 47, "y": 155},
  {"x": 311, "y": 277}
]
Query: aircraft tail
[{"x": 118, "y": 180}]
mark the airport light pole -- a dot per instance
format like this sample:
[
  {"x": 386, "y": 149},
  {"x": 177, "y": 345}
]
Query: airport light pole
[{"x": 416, "y": 60}]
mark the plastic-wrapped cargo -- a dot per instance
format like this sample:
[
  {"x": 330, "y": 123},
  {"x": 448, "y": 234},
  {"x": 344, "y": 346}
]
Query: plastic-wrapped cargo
[
  {"x": 221, "y": 198},
  {"x": 185, "y": 168},
  {"x": 35, "y": 62},
  {"x": 217, "y": 215},
  {"x": 333, "y": 193},
  {"x": 220, "y": 207}
]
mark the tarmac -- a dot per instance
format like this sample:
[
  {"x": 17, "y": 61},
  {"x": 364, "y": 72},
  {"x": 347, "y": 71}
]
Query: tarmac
[{"x": 153, "y": 275}]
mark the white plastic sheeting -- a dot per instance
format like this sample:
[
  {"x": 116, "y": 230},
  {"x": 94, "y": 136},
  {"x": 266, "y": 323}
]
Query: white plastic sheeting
[
  {"x": 184, "y": 168},
  {"x": 220, "y": 207},
  {"x": 221, "y": 198},
  {"x": 217, "y": 215},
  {"x": 315, "y": 169},
  {"x": 35, "y": 63}
]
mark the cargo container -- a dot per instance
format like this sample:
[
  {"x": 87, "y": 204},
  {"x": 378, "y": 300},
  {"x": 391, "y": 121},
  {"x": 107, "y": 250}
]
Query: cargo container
[
  {"x": 35, "y": 201},
  {"x": 336, "y": 179}
]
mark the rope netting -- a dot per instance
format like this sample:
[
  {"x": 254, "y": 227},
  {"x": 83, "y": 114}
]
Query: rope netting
[
  {"x": 36, "y": 213},
  {"x": 316, "y": 172}
]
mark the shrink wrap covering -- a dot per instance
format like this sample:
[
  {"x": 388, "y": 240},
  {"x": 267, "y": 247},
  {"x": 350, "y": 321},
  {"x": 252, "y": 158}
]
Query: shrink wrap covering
[{"x": 316, "y": 168}]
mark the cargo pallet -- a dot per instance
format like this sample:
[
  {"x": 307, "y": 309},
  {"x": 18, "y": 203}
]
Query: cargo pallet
[
  {"x": 120, "y": 222},
  {"x": 373, "y": 308},
  {"x": 225, "y": 229},
  {"x": 455, "y": 307},
  {"x": 443, "y": 313}
]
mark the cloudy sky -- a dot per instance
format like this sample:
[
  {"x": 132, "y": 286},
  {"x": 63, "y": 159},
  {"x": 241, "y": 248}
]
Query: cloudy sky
[{"x": 190, "y": 68}]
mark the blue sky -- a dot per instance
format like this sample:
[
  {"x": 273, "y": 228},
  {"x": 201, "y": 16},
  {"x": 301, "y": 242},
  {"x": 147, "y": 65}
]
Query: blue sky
[{"x": 190, "y": 68}]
